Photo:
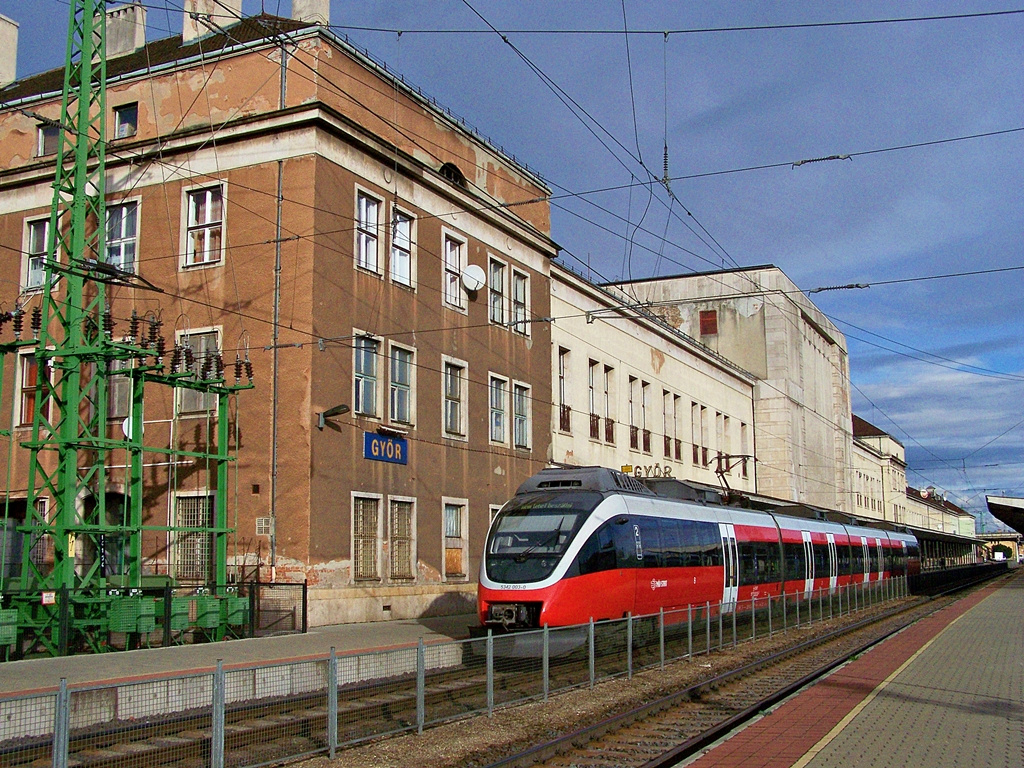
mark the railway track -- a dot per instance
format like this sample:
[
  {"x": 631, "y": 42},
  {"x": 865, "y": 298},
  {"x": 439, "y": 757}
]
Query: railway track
[{"x": 665, "y": 731}]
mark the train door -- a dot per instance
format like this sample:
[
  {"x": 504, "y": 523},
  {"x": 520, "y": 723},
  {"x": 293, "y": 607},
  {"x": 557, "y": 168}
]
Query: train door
[
  {"x": 731, "y": 563},
  {"x": 866, "y": 551},
  {"x": 808, "y": 564},
  {"x": 833, "y": 563},
  {"x": 881, "y": 559}
]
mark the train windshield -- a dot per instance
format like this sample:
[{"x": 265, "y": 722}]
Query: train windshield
[{"x": 532, "y": 532}]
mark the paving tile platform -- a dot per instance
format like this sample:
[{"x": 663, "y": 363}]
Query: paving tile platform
[{"x": 947, "y": 692}]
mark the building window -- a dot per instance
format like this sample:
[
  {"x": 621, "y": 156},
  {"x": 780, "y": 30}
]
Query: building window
[
  {"x": 593, "y": 371},
  {"x": 498, "y": 396},
  {"x": 204, "y": 350},
  {"x": 401, "y": 540},
  {"x": 496, "y": 292},
  {"x": 122, "y": 235},
  {"x": 453, "y": 263},
  {"x": 454, "y": 399},
  {"x": 708, "y": 322},
  {"x": 204, "y": 237},
  {"x": 564, "y": 409},
  {"x": 609, "y": 422},
  {"x": 668, "y": 419},
  {"x": 47, "y": 139},
  {"x": 521, "y": 415},
  {"x": 367, "y": 212},
  {"x": 192, "y": 549},
  {"x": 36, "y": 236},
  {"x": 119, "y": 393},
  {"x": 634, "y": 429},
  {"x": 401, "y": 385},
  {"x": 520, "y": 291},
  {"x": 30, "y": 387},
  {"x": 677, "y": 402},
  {"x": 454, "y": 538},
  {"x": 401, "y": 249},
  {"x": 126, "y": 120},
  {"x": 366, "y": 351},
  {"x": 365, "y": 538},
  {"x": 644, "y": 431}
]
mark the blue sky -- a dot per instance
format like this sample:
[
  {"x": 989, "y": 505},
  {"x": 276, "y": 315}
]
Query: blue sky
[{"x": 935, "y": 362}]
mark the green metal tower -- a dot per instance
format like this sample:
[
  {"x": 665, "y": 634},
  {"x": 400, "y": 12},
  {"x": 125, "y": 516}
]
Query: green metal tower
[{"x": 71, "y": 602}]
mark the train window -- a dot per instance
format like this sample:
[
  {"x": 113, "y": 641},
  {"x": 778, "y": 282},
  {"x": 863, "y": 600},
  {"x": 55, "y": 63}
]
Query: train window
[
  {"x": 691, "y": 544},
  {"x": 711, "y": 544},
  {"x": 598, "y": 553},
  {"x": 650, "y": 532},
  {"x": 796, "y": 561},
  {"x": 820, "y": 560},
  {"x": 856, "y": 558},
  {"x": 672, "y": 543},
  {"x": 531, "y": 532},
  {"x": 843, "y": 550}
]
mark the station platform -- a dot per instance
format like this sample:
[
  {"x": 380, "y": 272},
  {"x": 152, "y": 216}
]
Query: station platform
[
  {"x": 38, "y": 675},
  {"x": 946, "y": 692}
]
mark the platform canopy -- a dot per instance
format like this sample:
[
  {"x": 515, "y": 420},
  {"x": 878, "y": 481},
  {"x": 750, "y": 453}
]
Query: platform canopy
[{"x": 1007, "y": 509}]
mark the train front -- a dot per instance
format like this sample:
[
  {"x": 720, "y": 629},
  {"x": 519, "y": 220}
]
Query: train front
[{"x": 530, "y": 550}]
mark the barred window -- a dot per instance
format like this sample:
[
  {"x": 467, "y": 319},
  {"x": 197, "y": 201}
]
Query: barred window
[
  {"x": 364, "y": 538},
  {"x": 192, "y": 549},
  {"x": 401, "y": 540}
]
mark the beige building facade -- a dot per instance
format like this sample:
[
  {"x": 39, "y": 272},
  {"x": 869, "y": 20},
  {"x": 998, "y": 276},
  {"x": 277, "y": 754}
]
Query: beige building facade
[{"x": 631, "y": 391}]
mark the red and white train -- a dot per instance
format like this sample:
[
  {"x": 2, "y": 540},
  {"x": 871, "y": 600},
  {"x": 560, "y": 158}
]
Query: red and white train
[{"x": 593, "y": 543}]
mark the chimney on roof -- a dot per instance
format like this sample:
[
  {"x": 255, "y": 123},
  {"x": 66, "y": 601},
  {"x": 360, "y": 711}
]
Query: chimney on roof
[
  {"x": 313, "y": 11},
  {"x": 126, "y": 29},
  {"x": 8, "y": 51},
  {"x": 203, "y": 17}
]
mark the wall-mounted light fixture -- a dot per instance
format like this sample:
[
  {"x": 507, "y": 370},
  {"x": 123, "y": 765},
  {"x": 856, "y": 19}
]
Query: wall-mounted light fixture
[{"x": 321, "y": 418}]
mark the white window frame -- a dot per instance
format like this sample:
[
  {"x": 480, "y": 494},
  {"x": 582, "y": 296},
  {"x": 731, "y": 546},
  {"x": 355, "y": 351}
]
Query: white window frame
[
  {"x": 21, "y": 419},
  {"x": 30, "y": 249},
  {"x": 519, "y": 313},
  {"x": 379, "y": 537},
  {"x": 367, "y": 232},
  {"x": 463, "y": 400},
  {"x": 413, "y": 570},
  {"x": 209, "y": 257},
  {"x": 464, "y": 539},
  {"x": 358, "y": 406},
  {"x": 126, "y": 120},
  {"x": 500, "y": 410},
  {"x": 182, "y": 393},
  {"x": 410, "y": 387},
  {"x": 45, "y": 134},
  {"x": 408, "y": 250},
  {"x": 522, "y": 420},
  {"x": 497, "y": 296},
  {"x": 121, "y": 240},
  {"x": 452, "y": 295}
]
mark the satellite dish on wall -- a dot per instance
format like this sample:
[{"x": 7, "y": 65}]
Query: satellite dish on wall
[{"x": 473, "y": 277}]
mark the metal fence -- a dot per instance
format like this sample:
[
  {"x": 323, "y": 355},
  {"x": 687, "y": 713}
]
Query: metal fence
[{"x": 258, "y": 715}]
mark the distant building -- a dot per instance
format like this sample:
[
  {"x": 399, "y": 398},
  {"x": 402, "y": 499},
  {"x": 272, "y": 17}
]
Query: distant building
[
  {"x": 756, "y": 318},
  {"x": 880, "y": 474}
]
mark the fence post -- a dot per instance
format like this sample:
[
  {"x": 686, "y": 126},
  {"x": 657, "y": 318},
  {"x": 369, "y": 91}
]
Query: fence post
[
  {"x": 769, "y": 617},
  {"x": 707, "y": 626},
  {"x": 546, "y": 662},
  {"x": 490, "y": 673},
  {"x": 629, "y": 645},
  {"x": 796, "y": 599},
  {"x": 332, "y": 702},
  {"x": 689, "y": 632},
  {"x": 61, "y": 720},
  {"x": 421, "y": 685},
  {"x": 661, "y": 635},
  {"x": 217, "y": 718},
  {"x": 590, "y": 649}
]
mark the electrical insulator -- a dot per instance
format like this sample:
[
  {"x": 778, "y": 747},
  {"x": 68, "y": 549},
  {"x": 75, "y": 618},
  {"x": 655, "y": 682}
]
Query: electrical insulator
[
  {"x": 36, "y": 324},
  {"x": 248, "y": 368},
  {"x": 161, "y": 350},
  {"x": 4, "y": 318},
  {"x": 154, "y": 332},
  {"x": 176, "y": 359},
  {"x": 219, "y": 362},
  {"x": 108, "y": 323},
  {"x": 207, "y": 366},
  {"x": 238, "y": 369},
  {"x": 19, "y": 322},
  {"x": 133, "y": 327}
]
